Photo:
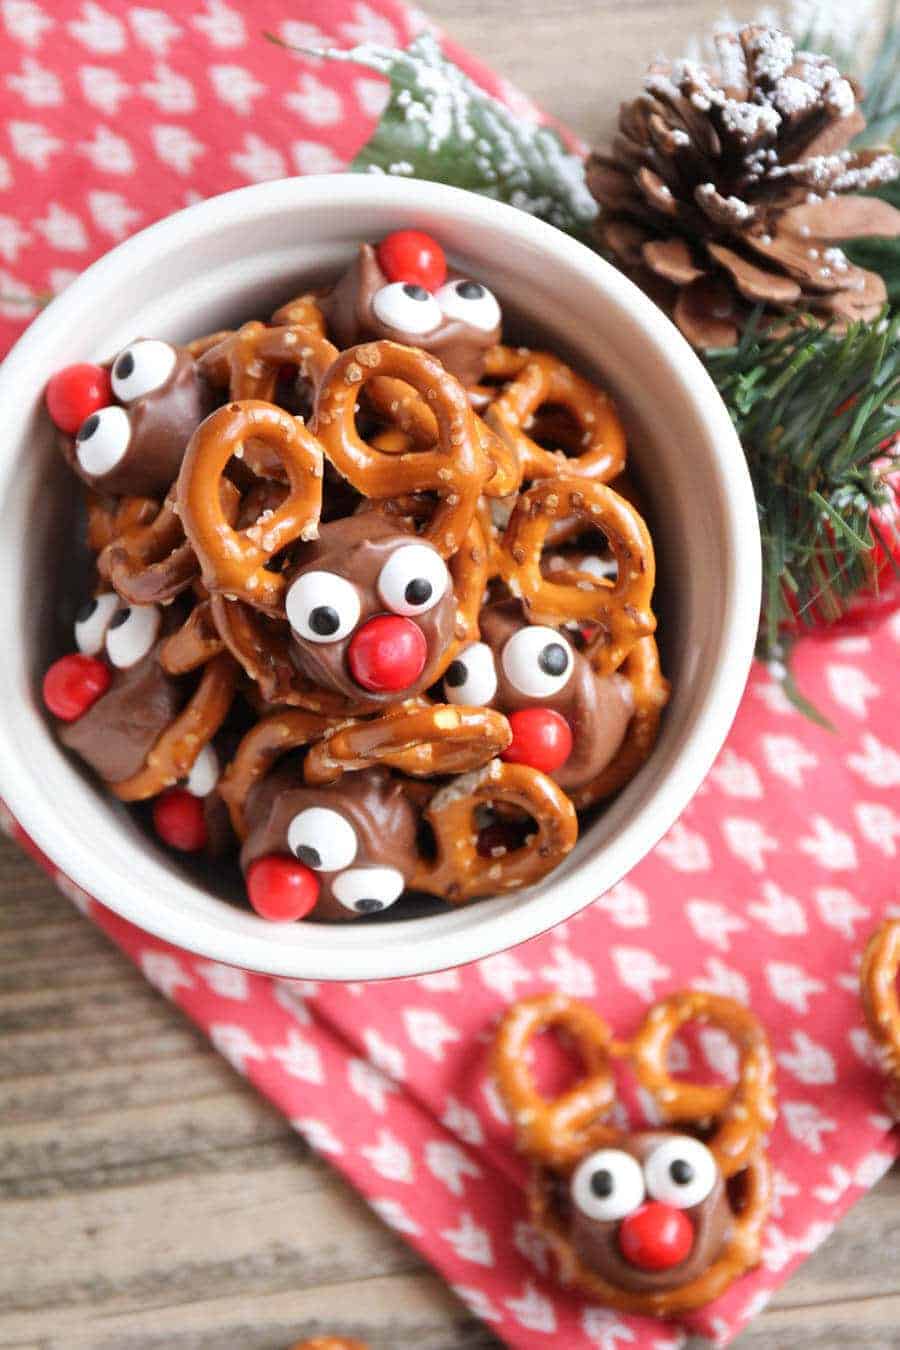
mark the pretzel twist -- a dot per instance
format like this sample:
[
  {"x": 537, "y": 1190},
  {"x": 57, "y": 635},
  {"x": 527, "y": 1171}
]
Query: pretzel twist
[
  {"x": 544, "y": 379},
  {"x": 650, "y": 690},
  {"x": 179, "y": 745},
  {"x": 271, "y": 737},
  {"x": 881, "y": 1003},
  {"x": 458, "y": 872},
  {"x": 559, "y": 1131},
  {"x": 109, "y": 517},
  {"x": 234, "y": 561},
  {"x": 621, "y": 609},
  {"x": 192, "y": 645},
  {"x": 303, "y": 311},
  {"x": 456, "y": 468},
  {"x": 415, "y": 737},
  {"x": 744, "y": 1112}
]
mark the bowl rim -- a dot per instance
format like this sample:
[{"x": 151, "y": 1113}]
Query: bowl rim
[{"x": 448, "y": 941}]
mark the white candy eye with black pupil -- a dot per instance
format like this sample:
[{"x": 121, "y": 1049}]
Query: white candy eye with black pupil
[
  {"x": 92, "y": 621},
  {"x": 367, "y": 890},
  {"x": 537, "y": 661},
  {"x": 131, "y": 633},
  {"x": 408, "y": 307},
  {"x": 204, "y": 773},
  {"x": 472, "y": 677},
  {"x": 142, "y": 367},
  {"x": 102, "y": 440},
  {"x": 322, "y": 607},
  {"x": 680, "y": 1172},
  {"x": 413, "y": 579},
  {"x": 607, "y": 1185},
  {"x": 471, "y": 303},
  {"x": 323, "y": 839}
]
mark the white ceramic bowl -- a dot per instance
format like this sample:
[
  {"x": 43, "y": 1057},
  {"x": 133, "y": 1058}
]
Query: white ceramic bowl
[{"x": 235, "y": 257}]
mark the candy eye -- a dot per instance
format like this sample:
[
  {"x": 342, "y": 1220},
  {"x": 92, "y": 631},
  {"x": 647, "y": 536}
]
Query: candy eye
[
  {"x": 142, "y": 367},
  {"x": 472, "y": 677},
  {"x": 607, "y": 1185},
  {"x": 680, "y": 1172},
  {"x": 324, "y": 840},
  {"x": 204, "y": 773},
  {"x": 92, "y": 621},
  {"x": 408, "y": 307},
  {"x": 102, "y": 440},
  {"x": 366, "y": 890},
  {"x": 131, "y": 633},
  {"x": 537, "y": 661},
  {"x": 413, "y": 579},
  {"x": 471, "y": 303},
  {"x": 322, "y": 607}
]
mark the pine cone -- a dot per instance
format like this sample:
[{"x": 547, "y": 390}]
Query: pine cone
[{"x": 724, "y": 190}]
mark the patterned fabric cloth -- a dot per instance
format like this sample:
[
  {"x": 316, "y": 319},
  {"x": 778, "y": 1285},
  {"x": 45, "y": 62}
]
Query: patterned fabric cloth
[{"x": 765, "y": 889}]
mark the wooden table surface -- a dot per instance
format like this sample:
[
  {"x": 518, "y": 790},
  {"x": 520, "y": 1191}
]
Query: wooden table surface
[{"x": 149, "y": 1197}]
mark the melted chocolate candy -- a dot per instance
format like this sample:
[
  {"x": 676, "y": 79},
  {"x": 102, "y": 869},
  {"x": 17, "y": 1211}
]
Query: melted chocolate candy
[
  {"x": 379, "y": 814},
  {"x": 350, "y": 310},
  {"x": 597, "y": 708},
  {"x": 356, "y": 549}
]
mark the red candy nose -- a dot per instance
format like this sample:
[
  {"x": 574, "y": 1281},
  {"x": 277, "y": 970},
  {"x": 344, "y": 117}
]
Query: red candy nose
[
  {"x": 76, "y": 392},
  {"x": 387, "y": 654},
  {"x": 180, "y": 821},
  {"x": 656, "y": 1236},
  {"x": 542, "y": 739},
  {"x": 281, "y": 889},
  {"x": 412, "y": 255},
  {"x": 73, "y": 684}
]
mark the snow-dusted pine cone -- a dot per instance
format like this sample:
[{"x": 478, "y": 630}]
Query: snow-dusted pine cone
[{"x": 725, "y": 189}]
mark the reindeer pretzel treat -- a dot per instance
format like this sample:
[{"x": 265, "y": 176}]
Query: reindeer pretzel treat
[
  {"x": 880, "y": 999},
  {"x": 657, "y": 1220},
  {"x": 367, "y": 612}
]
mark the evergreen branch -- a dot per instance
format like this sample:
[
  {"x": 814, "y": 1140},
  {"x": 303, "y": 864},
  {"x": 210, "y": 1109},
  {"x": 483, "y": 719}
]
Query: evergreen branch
[
  {"x": 814, "y": 410},
  {"x": 439, "y": 125}
]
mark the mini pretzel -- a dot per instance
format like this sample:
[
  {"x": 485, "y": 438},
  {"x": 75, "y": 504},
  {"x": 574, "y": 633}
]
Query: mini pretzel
[
  {"x": 266, "y": 742},
  {"x": 153, "y": 563},
  {"x": 544, "y": 379},
  {"x": 744, "y": 1114},
  {"x": 418, "y": 738},
  {"x": 414, "y": 425},
  {"x": 303, "y": 311},
  {"x": 192, "y": 645},
  {"x": 456, "y": 468},
  {"x": 621, "y": 609},
  {"x": 562, "y": 1131},
  {"x": 557, "y": 1135},
  {"x": 109, "y": 517},
  {"x": 179, "y": 745},
  {"x": 458, "y": 872},
  {"x": 234, "y": 561},
  {"x": 881, "y": 1004},
  {"x": 650, "y": 690}
]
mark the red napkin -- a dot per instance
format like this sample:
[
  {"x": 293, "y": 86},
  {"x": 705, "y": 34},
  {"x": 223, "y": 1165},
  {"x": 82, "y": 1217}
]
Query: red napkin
[{"x": 764, "y": 890}]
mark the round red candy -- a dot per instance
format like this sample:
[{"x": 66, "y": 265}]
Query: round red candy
[
  {"x": 76, "y": 392},
  {"x": 387, "y": 654},
  {"x": 281, "y": 889},
  {"x": 542, "y": 739},
  {"x": 412, "y": 255},
  {"x": 180, "y": 821},
  {"x": 73, "y": 684},
  {"x": 656, "y": 1236}
]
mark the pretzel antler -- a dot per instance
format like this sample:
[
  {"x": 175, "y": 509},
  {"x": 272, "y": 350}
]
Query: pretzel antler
[
  {"x": 235, "y": 561},
  {"x": 458, "y": 873},
  {"x": 263, "y": 745},
  {"x": 416, "y": 737},
  {"x": 621, "y": 609},
  {"x": 878, "y": 986},
  {"x": 744, "y": 1112},
  {"x": 556, "y": 1132},
  {"x": 456, "y": 468}
]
